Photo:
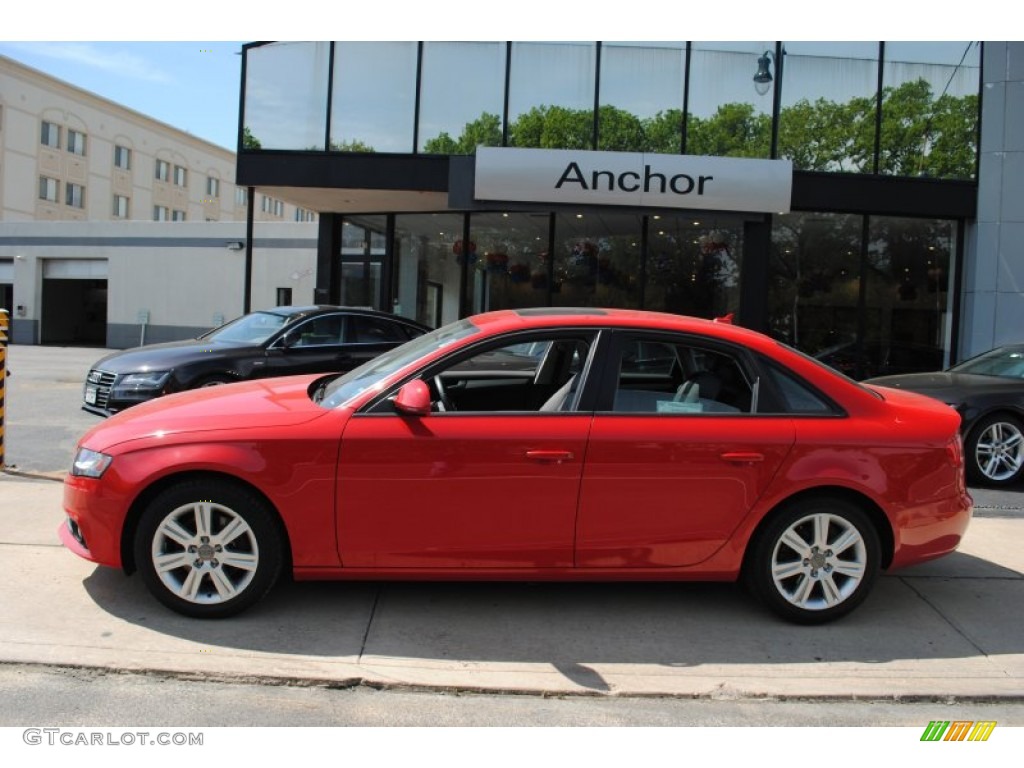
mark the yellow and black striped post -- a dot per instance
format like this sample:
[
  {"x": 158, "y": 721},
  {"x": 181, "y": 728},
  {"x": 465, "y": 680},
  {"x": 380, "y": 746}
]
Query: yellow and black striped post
[{"x": 3, "y": 377}]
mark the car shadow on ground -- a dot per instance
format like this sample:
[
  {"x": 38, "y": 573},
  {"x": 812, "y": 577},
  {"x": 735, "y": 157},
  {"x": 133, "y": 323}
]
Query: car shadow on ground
[{"x": 953, "y": 610}]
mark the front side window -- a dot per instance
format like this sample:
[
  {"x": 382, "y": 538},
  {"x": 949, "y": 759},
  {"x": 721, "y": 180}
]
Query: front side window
[
  {"x": 76, "y": 142},
  {"x": 325, "y": 331}
]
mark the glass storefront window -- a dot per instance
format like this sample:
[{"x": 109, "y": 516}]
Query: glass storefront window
[
  {"x": 286, "y": 96},
  {"x": 597, "y": 260},
  {"x": 827, "y": 115},
  {"x": 814, "y": 285},
  {"x": 728, "y": 118},
  {"x": 642, "y": 97},
  {"x": 428, "y": 258},
  {"x": 373, "y": 104},
  {"x": 693, "y": 264},
  {"x": 461, "y": 97},
  {"x": 551, "y": 95},
  {"x": 363, "y": 250},
  {"x": 908, "y": 301},
  {"x": 930, "y": 109},
  {"x": 512, "y": 269}
]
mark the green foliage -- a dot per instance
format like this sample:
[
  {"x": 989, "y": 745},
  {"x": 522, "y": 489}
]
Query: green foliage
[
  {"x": 921, "y": 135},
  {"x": 249, "y": 141},
  {"x": 353, "y": 145}
]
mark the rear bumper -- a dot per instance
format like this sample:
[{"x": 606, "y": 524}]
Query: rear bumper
[{"x": 929, "y": 532}]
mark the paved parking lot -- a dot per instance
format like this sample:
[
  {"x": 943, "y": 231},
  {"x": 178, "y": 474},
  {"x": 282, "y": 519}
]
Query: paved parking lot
[{"x": 951, "y": 628}]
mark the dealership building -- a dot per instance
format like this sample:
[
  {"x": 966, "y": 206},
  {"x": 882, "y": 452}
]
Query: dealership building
[{"x": 859, "y": 200}]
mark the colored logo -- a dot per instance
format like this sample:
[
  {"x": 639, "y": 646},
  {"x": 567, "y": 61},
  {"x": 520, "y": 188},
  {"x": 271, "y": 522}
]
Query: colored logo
[{"x": 958, "y": 730}]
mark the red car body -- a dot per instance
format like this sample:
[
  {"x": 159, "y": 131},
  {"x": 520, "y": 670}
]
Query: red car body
[{"x": 370, "y": 490}]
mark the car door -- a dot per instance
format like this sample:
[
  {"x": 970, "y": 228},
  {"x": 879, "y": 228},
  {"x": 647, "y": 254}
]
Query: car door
[
  {"x": 313, "y": 345},
  {"x": 676, "y": 456},
  {"x": 489, "y": 479}
]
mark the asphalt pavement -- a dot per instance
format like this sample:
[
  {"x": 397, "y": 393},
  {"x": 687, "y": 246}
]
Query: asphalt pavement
[{"x": 948, "y": 630}]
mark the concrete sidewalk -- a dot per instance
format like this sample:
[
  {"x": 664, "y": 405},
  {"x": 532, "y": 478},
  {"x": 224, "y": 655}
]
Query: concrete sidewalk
[{"x": 952, "y": 628}]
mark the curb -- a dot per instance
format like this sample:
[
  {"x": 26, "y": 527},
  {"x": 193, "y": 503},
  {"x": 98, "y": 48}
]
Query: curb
[{"x": 28, "y": 474}]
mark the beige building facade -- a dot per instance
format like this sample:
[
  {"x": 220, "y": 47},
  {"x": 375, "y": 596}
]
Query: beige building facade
[{"x": 71, "y": 159}]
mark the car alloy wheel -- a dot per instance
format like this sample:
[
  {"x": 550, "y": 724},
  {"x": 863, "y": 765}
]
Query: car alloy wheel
[
  {"x": 996, "y": 448},
  {"x": 815, "y": 561},
  {"x": 208, "y": 549}
]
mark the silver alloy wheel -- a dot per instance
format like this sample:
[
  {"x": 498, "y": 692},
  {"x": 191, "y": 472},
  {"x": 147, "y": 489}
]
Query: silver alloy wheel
[
  {"x": 999, "y": 451},
  {"x": 204, "y": 553},
  {"x": 819, "y": 561}
]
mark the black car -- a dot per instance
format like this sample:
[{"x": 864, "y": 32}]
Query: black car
[
  {"x": 272, "y": 342},
  {"x": 988, "y": 391}
]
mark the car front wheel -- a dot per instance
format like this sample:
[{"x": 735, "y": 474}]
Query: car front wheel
[
  {"x": 208, "y": 548},
  {"x": 995, "y": 451},
  {"x": 815, "y": 561}
]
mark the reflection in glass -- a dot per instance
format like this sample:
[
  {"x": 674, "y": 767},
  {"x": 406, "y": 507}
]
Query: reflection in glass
[
  {"x": 908, "y": 301},
  {"x": 462, "y": 97},
  {"x": 728, "y": 118},
  {"x": 693, "y": 266},
  {"x": 373, "y": 103},
  {"x": 551, "y": 95},
  {"x": 363, "y": 248},
  {"x": 597, "y": 260},
  {"x": 930, "y": 109},
  {"x": 286, "y": 96},
  {"x": 428, "y": 259},
  {"x": 642, "y": 97},
  {"x": 827, "y": 117},
  {"x": 512, "y": 270},
  {"x": 814, "y": 285}
]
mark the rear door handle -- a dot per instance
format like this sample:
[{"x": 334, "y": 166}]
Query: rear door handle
[
  {"x": 743, "y": 457},
  {"x": 554, "y": 456}
]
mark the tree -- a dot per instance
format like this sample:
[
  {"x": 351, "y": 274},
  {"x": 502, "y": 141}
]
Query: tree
[{"x": 249, "y": 141}]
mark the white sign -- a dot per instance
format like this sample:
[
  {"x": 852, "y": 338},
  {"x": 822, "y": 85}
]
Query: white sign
[{"x": 639, "y": 179}]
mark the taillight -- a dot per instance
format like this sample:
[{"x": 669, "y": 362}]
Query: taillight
[{"x": 955, "y": 451}]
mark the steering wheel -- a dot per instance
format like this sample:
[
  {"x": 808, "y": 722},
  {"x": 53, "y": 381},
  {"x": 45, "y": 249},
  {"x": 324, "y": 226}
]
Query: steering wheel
[{"x": 444, "y": 403}]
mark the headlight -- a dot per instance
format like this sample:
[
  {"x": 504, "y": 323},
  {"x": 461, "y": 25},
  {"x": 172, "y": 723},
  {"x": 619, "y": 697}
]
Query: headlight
[
  {"x": 90, "y": 463},
  {"x": 148, "y": 380}
]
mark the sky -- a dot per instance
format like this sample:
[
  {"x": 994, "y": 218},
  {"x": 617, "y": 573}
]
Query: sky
[{"x": 194, "y": 86}]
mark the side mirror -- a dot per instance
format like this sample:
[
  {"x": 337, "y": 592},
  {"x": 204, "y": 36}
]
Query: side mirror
[{"x": 413, "y": 398}]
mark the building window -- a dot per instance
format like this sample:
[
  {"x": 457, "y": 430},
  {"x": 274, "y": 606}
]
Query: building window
[
  {"x": 265, "y": 204},
  {"x": 241, "y": 196},
  {"x": 278, "y": 208},
  {"x": 120, "y": 207},
  {"x": 76, "y": 142},
  {"x": 163, "y": 170},
  {"x": 122, "y": 158},
  {"x": 49, "y": 189},
  {"x": 284, "y": 297},
  {"x": 161, "y": 213},
  {"x": 74, "y": 195},
  {"x": 212, "y": 187},
  {"x": 177, "y": 215},
  {"x": 179, "y": 176},
  {"x": 50, "y": 135}
]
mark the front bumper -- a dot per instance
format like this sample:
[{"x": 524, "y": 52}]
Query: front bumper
[{"x": 95, "y": 519}]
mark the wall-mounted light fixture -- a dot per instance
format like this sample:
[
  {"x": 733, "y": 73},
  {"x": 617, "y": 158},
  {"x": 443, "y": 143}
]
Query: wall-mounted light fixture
[
  {"x": 234, "y": 245},
  {"x": 763, "y": 76}
]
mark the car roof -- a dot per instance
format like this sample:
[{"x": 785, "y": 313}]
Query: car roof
[{"x": 318, "y": 309}]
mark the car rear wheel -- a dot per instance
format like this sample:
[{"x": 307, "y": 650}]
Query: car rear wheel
[
  {"x": 208, "y": 548},
  {"x": 995, "y": 450},
  {"x": 815, "y": 561}
]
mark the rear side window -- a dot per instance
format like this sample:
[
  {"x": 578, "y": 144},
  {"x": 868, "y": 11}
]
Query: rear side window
[
  {"x": 796, "y": 396},
  {"x": 373, "y": 330}
]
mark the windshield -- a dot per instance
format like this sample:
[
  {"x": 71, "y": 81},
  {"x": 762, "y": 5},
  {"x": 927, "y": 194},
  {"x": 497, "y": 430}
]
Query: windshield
[
  {"x": 369, "y": 374},
  {"x": 248, "y": 329},
  {"x": 996, "y": 362}
]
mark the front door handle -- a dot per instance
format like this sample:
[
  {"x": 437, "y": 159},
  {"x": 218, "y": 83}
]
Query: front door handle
[
  {"x": 743, "y": 457},
  {"x": 554, "y": 456}
]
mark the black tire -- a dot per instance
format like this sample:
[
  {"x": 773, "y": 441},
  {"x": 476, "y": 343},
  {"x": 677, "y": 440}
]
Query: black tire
[
  {"x": 208, "y": 548},
  {"x": 212, "y": 381},
  {"x": 795, "y": 568},
  {"x": 994, "y": 451}
]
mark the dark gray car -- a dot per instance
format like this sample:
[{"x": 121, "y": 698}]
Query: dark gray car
[{"x": 272, "y": 342}]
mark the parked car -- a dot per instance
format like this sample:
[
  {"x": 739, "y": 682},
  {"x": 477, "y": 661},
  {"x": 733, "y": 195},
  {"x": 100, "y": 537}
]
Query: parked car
[
  {"x": 988, "y": 393},
  {"x": 538, "y": 444},
  {"x": 272, "y": 342}
]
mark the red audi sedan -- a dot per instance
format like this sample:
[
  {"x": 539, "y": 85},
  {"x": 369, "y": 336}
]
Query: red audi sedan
[{"x": 538, "y": 444}]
